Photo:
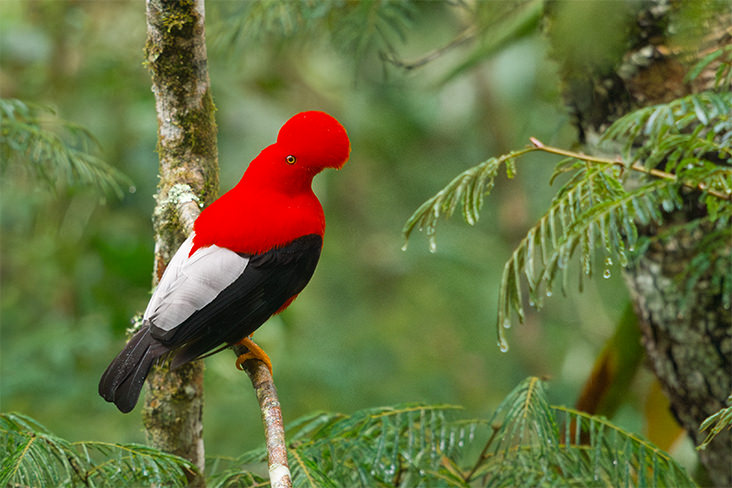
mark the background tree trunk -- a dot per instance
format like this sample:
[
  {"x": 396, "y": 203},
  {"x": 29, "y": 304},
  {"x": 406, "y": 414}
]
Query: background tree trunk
[
  {"x": 689, "y": 349},
  {"x": 176, "y": 56}
]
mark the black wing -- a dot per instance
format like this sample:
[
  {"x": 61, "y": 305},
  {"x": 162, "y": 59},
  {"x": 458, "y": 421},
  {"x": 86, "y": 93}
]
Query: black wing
[{"x": 268, "y": 281}]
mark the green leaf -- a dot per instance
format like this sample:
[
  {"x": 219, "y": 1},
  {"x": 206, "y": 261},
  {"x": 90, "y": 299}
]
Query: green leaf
[
  {"x": 723, "y": 73},
  {"x": 354, "y": 28},
  {"x": 521, "y": 19},
  {"x": 34, "y": 457},
  {"x": 716, "y": 423},
  {"x": 468, "y": 188},
  {"x": 51, "y": 150}
]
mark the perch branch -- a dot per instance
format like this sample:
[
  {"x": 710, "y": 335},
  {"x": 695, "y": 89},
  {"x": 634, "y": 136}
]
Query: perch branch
[{"x": 274, "y": 430}]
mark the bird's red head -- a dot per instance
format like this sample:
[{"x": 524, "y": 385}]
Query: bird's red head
[
  {"x": 314, "y": 140},
  {"x": 274, "y": 203}
]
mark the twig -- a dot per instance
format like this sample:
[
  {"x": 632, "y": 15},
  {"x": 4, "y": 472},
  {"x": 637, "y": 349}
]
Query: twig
[
  {"x": 465, "y": 36},
  {"x": 638, "y": 167},
  {"x": 274, "y": 430},
  {"x": 483, "y": 453}
]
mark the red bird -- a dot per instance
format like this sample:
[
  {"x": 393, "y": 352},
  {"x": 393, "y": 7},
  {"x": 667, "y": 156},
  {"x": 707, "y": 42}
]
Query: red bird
[{"x": 251, "y": 252}]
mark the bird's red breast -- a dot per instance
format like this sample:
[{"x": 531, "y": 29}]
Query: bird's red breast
[{"x": 273, "y": 203}]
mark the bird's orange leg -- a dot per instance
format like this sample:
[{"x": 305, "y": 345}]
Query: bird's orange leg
[{"x": 255, "y": 352}]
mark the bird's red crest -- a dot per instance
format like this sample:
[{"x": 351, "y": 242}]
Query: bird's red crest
[{"x": 316, "y": 139}]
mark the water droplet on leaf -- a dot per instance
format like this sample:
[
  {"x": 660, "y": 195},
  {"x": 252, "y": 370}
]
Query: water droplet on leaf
[{"x": 606, "y": 274}]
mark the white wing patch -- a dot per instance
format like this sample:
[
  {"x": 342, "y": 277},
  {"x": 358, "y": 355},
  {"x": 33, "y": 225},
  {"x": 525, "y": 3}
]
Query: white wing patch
[{"x": 189, "y": 284}]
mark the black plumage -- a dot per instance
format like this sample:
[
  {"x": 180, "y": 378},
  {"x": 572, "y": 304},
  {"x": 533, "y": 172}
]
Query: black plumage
[{"x": 269, "y": 281}]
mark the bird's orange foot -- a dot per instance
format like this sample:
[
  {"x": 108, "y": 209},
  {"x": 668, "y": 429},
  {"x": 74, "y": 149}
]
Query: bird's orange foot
[{"x": 255, "y": 352}]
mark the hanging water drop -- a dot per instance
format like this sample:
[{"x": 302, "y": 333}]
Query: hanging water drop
[
  {"x": 433, "y": 245},
  {"x": 606, "y": 274},
  {"x": 503, "y": 345},
  {"x": 548, "y": 293},
  {"x": 404, "y": 246},
  {"x": 608, "y": 261},
  {"x": 507, "y": 324}
]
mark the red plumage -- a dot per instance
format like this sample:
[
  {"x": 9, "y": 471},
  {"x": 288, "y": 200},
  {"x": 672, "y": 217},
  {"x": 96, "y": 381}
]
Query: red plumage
[
  {"x": 251, "y": 253},
  {"x": 274, "y": 203}
]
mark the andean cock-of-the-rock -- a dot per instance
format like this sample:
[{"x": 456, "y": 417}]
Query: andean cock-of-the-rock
[{"x": 252, "y": 251}]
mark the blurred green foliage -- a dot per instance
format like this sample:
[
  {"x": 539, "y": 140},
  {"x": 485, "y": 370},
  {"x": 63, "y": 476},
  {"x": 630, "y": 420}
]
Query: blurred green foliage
[{"x": 376, "y": 325}]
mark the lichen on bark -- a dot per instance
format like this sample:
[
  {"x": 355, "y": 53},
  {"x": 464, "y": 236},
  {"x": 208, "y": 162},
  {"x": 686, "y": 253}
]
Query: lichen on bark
[{"x": 175, "y": 54}]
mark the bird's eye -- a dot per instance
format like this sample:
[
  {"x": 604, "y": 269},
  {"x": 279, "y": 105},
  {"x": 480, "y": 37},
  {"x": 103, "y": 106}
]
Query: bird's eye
[{"x": 290, "y": 159}]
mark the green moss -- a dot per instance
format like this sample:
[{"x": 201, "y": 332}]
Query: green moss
[
  {"x": 200, "y": 128},
  {"x": 177, "y": 74}
]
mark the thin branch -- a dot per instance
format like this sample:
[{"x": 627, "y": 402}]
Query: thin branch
[
  {"x": 638, "y": 167},
  {"x": 274, "y": 430},
  {"x": 465, "y": 36},
  {"x": 188, "y": 178},
  {"x": 187, "y": 210},
  {"x": 483, "y": 453}
]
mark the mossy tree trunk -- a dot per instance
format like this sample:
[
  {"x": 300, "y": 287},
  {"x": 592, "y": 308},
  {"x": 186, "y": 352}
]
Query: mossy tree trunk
[
  {"x": 689, "y": 349},
  {"x": 187, "y": 149}
]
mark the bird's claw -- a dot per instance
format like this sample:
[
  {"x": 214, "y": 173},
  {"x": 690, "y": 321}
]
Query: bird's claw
[{"x": 255, "y": 352}]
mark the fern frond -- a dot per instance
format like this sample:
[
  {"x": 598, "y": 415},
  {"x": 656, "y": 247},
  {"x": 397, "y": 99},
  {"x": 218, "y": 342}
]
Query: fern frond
[
  {"x": 374, "y": 447},
  {"x": 716, "y": 423},
  {"x": 690, "y": 137},
  {"x": 556, "y": 446},
  {"x": 527, "y": 442},
  {"x": 52, "y": 150},
  {"x": 723, "y": 72},
  {"x": 591, "y": 212},
  {"x": 468, "y": 189},
  {"x": 354, "y": 28},
  {"x": 371, "y": 26},
  {"x": 712, "y": 258},
  {"x": 686, "y": 131},
  {"x": 32, "y": 456},
  {"x": 612, "y": 456}
]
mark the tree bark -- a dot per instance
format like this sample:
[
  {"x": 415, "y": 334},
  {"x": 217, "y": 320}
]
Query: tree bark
[
  {"x": 689, "y": 348},
  {"x": 176, "y": 56}
]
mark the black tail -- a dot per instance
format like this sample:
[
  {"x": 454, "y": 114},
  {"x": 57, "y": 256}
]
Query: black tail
[{"x": 122, "y": 381}]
